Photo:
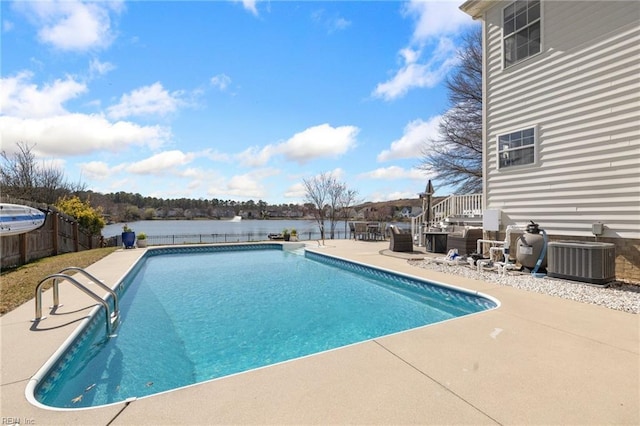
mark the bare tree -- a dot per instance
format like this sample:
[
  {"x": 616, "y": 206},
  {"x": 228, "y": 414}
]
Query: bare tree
[
  {"x": 455, "y": 155},
  {"x": 21, "y": 176},
  {"x": 330, "y": 199},
  {"x": 347, "y": 201},
  {"x": 336, "y": 191},
  {"x": 316, "y": 193}
]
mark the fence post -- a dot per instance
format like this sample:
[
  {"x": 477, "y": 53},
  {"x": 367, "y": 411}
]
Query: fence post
[
  {"x": 76, "y": 237},
  {"x": 55, "y": 218},
  {"x": 22, "y": 243}
]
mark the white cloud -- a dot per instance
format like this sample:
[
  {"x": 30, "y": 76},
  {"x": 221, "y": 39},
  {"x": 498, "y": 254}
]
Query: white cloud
[
  {"x": 198, "y": 177},
  {"x": 245, "y": 186},
  {"x": 98, "y": 170},
  {"x": 434, "y": 22},
  {"x": 392, "y": 173},
  {"x": 36, "y": 115},
  {"x": 215, "y": 155},
  {"x": 436, "y": 18},
  {"x": 161, "y": 163},
  {"x": 256, "y": 157},
  {"x": 387, "y": 196},
  {"x": 250, "y": 5},
  {"x": 55, "y": 163},
  {"x": 100, "y": 68},
  {"x": 331, "y": 23},
  {"x": 21, "y": 98},
  {"x": 77, "y": 134},
  {"x": 417, "y": 74},
  {"x": 192, "y": 172},
  {"x": 338, "y": 24},
  {"x": 194, "y": 184},
  {"x": 147, "y": 100},
  {"x": 70, "y": 24},
  {"x": 319, "y": 141},
  {"x": 296, "y": 191},
  {"x": 7, "y": 26},
  {"x": 337, "y": 173},
  {"x": 220, "y": 81},
  {"x": 118, "y": 184},
  {"x": 249, "y": 185},
  {"x": 410, "y": 145}
]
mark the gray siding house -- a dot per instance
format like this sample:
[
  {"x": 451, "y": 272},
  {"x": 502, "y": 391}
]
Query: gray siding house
[{"x": 561, "y": 133}]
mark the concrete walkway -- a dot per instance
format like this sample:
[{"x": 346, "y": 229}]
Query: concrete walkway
[{"x": 536, "y": 359}]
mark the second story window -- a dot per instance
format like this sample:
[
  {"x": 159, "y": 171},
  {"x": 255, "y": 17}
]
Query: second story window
[{"x": 521, "y": 30}]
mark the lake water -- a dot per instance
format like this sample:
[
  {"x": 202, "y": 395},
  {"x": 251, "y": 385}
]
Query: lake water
[
  {"x": 207, "y": 227},
  {"x": 165, "y": 227},
  {"x": 258, "y": 229}
]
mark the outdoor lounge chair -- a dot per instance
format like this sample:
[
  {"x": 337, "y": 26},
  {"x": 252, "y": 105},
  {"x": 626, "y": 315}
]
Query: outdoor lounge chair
[
  {"x": 400, "y": 241},
  {"x": 464, "y": 240}
]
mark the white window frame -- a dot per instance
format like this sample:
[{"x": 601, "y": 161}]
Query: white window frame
[
  {"x": 514, "y": 34},
  {"x": 533, "y": 144}
]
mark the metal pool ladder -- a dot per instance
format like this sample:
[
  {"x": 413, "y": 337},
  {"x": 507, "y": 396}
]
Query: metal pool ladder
[{"x": 111, "y": 316}]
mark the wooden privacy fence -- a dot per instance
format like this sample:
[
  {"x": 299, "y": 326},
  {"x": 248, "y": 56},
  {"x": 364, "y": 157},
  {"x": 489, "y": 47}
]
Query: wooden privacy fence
[{"x": 59, "y": 234}]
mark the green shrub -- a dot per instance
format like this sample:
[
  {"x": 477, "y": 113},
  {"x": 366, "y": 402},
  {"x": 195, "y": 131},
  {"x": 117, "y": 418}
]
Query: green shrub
[{"x": 88, "y": 218}]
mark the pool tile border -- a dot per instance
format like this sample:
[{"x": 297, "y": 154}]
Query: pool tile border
[{"x": 445, "y": 292}]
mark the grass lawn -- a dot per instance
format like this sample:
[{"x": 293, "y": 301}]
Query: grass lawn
[{"x": 18, "y": 285}]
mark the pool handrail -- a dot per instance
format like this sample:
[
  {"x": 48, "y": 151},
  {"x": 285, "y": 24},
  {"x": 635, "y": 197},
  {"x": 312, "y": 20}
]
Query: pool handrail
[
  {"x": 95, "y": 280},
  {"x": 111, "y": 317}
]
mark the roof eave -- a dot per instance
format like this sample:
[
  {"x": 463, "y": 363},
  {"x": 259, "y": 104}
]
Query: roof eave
[{"x": 476, "y": 8}]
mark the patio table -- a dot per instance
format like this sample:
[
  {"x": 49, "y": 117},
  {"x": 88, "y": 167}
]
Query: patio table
[{"x": 436, "y": 241}]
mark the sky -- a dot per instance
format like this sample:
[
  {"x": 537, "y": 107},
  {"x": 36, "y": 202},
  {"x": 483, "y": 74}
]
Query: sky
[{"x": 233, "y": 100}]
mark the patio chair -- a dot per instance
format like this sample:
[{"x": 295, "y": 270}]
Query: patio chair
[
  {"x": 361, "y": 230},
  {"x": 383, "y": 231},
  {"x": 400, "y": 241},
  {"x": 352, "y": 231},
  {"x": 464, "y": 240}
]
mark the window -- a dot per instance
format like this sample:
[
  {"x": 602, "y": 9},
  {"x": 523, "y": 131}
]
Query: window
[
  {"x": 521, "y": 30},
  {"x": 517, "y": 148}
]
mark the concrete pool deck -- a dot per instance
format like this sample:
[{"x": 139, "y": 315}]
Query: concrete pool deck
[{"x": 537, "y": 359}]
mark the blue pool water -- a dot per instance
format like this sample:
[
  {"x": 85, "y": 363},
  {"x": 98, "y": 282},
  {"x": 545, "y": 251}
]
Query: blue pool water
[{"x": 193, "y": 314}]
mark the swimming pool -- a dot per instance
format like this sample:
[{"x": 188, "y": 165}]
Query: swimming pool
[{"x": 192, "y": 314}]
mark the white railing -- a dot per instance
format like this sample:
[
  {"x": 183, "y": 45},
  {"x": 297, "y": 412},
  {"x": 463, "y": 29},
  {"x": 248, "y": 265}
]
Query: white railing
[{"x": 460, "y": 206}]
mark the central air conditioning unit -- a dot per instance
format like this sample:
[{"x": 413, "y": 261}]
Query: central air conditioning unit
[{"x": 584, "y": 261}]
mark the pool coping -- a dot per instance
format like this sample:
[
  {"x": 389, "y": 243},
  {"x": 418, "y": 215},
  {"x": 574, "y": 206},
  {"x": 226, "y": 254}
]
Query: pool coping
[{"x": 524, "y": 362}]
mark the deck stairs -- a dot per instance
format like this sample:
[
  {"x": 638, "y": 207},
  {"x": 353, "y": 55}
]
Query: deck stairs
[{"x": 460, "y": 210}]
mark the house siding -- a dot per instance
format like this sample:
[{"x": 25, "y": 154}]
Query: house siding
[{"x": 582, "y": 94}]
